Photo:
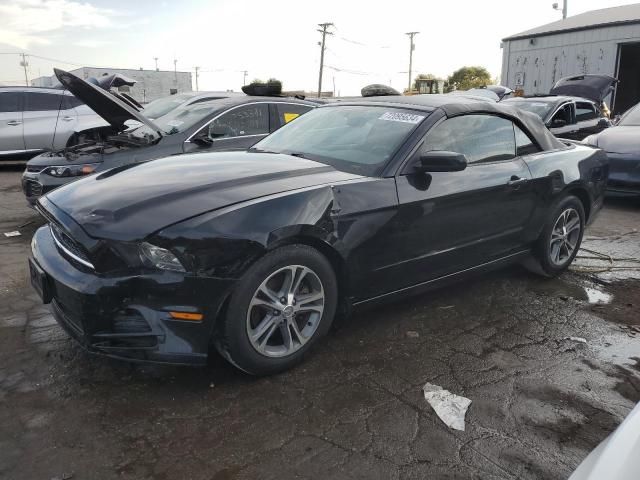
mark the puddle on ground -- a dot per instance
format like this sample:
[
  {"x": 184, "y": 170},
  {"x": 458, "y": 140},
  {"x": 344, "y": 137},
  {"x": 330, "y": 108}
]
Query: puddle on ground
[
  {"x": 597, "y": 296},
  {"x": 618, "y": 349}
]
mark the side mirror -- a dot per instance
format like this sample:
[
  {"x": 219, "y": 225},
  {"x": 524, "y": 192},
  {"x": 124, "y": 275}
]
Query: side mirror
[
  {"x": 202, "y": 139},
  {"x": 216, "y": 130},
  {"x": 437, "y": 161},
  {"x": 604, "y": 123},
  {"x": 557, "y": 123}
]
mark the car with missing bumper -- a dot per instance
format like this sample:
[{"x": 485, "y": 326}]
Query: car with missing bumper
[
  {"x": 232, "y": 123},
  {"x": 354, "y": 203}
]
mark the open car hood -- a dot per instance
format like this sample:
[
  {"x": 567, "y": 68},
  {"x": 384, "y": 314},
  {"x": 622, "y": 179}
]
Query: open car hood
[
  {"x": 114, "y": 110},
  {"x": 593, "y": 87}
]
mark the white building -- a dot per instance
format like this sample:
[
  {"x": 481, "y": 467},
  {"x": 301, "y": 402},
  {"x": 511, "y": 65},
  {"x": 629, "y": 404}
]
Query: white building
[
  {"x": 150, "y": 84},
  {"x": 605, "y": 41}
]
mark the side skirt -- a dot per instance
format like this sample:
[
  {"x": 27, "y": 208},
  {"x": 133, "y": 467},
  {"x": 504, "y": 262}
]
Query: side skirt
[{"x": 442, "y": 281}]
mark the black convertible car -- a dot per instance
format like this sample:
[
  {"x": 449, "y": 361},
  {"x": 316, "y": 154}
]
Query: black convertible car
[
  {"x": 233, "y": 123},
  {"x": 353, "y": 203}
]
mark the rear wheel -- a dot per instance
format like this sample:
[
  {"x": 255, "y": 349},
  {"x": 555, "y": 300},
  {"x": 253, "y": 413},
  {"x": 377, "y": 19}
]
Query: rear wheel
[
  {"x": 283, "y": 304},
  {"x": 561, "y": 237}
]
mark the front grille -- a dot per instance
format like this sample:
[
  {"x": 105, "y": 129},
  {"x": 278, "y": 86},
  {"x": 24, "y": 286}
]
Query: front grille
[
  {"x": 34, "y": 168},
  {"x": 32, "y": 188},
  {"x": 68, "y": 243}
]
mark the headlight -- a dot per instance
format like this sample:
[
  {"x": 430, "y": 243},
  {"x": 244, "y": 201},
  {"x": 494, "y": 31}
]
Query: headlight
[
  {"x": 591, "y": 140},
  {"x": 70, "y": 170},
  {"x": 160, "y": 258}
]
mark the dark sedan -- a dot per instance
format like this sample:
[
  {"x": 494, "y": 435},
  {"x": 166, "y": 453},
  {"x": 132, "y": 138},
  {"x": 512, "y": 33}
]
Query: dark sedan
[
  {"x": 352, "y": 204},
  {"x": 622, "y": 144},
  {"x": 233, "y": 123}
]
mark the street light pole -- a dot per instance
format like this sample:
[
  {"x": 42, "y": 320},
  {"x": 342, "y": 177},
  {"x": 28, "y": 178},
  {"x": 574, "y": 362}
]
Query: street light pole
[
  {"x": 324, "y": 33},
  {"x": 411, "y": 49},
  {"x": 197, "y": 68},
  {"x": 25, "y": 64},
  {"x": 156, "y": 60}
]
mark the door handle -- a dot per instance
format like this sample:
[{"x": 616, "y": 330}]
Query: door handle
[
  {"x": 516, "y": 181},
  {"x": 13, "y": 123},
  {"x": 67, "y": 118}
]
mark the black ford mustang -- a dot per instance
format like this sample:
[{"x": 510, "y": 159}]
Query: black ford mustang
[{"x": 351, "y": 204}]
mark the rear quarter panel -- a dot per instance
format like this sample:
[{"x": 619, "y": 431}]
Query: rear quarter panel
[{"x": 578, "y": 170}]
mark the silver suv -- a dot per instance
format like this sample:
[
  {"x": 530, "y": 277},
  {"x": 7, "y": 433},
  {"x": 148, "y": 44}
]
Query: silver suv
[{"x": 33, "y": 120}]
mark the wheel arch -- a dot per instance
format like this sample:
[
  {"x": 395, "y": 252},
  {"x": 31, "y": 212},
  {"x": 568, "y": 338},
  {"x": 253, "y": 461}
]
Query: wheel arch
[{"x": 583, "y": 195}]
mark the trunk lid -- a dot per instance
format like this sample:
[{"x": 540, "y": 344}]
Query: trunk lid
[{"x": 593, "y": 87}]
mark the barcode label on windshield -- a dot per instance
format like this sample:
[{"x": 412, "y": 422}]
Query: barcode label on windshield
[{"x": 401, "y": 117}]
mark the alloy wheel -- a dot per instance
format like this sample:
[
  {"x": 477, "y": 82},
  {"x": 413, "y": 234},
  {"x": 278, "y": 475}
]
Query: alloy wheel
[
  {"x": 564, "y": 236},
  {"x": 285, "y": 311}
]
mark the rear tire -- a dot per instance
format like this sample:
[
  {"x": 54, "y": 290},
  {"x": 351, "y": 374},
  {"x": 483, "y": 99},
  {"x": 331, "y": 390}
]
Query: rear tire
[
  {"x": 561, "y": 237},
  {"x": 280, "y": 308}
]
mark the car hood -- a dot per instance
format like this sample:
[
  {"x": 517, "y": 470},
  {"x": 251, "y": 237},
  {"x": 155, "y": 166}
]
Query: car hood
[
  {"x": 114, "y": 110},
  {"x": 131, "y": 202},
  {"x": 620, "y": 139},
  {"x": 593, "y": 87}
]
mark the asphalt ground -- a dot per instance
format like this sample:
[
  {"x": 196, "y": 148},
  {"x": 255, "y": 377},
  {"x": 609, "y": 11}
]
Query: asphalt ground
[{"x": 540, "y": 399}]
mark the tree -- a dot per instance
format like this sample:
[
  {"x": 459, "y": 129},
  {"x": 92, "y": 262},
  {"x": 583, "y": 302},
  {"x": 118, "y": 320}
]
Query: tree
[{"x": 468, "y": 77}]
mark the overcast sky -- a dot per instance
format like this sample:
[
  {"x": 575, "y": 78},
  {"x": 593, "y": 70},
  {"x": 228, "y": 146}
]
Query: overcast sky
[{"x": 276, "y": 38}]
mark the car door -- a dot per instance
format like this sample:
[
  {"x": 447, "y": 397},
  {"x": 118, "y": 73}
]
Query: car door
[
  {"x": 589, "y": 120},
  {"x": 283, "y": 113},
  {"x": 239, "y": 128},
  {"x": 11, "y": 127},
  {"x": 451, "y": 221},
  {"x": 47, "y": 124},
  {"x": 563, "y": 122}
]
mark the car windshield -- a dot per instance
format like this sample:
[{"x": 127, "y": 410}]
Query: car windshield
[
  {"x": 357, "y": 139},
  {"x": 182, "y": 118},
  {"x": 631, "y": 118},
  {"x": 162, "y": 106},
  {"x": 541, "y": 109}
]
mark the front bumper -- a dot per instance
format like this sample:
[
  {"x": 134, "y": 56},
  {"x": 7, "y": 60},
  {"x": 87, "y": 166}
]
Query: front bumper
[
  {"x": 624, "y": 173},
  {"x": 126, "y": 316},
  {"x": 36, "y": 184}
]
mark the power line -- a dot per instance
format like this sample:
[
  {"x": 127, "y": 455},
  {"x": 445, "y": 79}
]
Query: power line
[{"x": 362, "y": 44}]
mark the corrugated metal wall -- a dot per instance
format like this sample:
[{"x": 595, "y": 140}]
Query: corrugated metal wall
[{"x": 539, "y": 62}]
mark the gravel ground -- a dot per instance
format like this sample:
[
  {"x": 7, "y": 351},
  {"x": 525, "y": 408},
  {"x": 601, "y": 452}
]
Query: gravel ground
[{"x": 355, "y": 409}]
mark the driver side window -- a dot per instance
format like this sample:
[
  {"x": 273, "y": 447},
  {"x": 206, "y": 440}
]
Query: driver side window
[
  {"x": 240, "y": 122},
  {"x": 481, "y": 138}
]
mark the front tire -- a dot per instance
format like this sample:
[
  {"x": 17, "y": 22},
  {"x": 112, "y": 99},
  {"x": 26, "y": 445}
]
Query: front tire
[
  {"x": 561, "y": 237},
  {"x": 283, "y": 304}
]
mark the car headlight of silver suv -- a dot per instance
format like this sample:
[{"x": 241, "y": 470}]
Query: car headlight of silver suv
[
  {"x": 60, "y": 171},
  {"x": 160, "y": 258}
]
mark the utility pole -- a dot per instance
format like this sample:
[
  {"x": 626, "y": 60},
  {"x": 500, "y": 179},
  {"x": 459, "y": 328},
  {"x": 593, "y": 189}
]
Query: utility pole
[
  {"x": 244, "y": 77},
  {"x": 324, "y": 33},
  {"x": 175, "y": 70},
  {"x": 412, "y": 47},
  {"x": 156, "y": 59},
  {"x": 25, "y": 64},
  {"x": 197, "y": 68}
]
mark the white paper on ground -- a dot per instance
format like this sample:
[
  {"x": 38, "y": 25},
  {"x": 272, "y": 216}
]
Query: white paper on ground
[
  {"x": 451, "y": 408},
  {"x": 15, "y": 233}
]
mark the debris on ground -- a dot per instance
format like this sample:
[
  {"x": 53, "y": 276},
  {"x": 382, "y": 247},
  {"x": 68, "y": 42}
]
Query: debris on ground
[
  {"x": 14, "y": 233},
  {"x": 413, "y": 334},
  {"x": 576, "y": 339},
  {"x": 451, "y": 408}
]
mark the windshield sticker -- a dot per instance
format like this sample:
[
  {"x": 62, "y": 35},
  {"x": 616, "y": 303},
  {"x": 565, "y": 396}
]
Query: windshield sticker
[
  {"x": 290, "y": 116},
  {"x": 401, "y": 117},
  {"x": 175, "y": 123}
]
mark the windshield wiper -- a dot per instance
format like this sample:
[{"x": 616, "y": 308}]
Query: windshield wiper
[{"x": 297, "y": 154}]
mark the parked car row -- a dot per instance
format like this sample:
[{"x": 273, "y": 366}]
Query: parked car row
[{"x": 203, "y": 124}]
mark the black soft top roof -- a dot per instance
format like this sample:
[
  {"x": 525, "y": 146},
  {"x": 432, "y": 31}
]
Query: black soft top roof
[{"x": 454, "y": 105}]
